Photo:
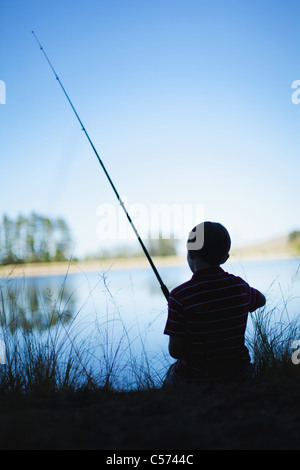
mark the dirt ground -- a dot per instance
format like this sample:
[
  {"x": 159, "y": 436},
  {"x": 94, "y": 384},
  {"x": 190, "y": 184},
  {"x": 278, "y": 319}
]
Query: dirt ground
[{"x": 261, "y": 415}]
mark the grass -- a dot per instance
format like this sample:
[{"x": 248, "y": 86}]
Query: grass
[
  {"x": 49, "y": 351},
  {"x": 271, "y": 343},
  {"x": 272, "y": 337},
  {"x": 59, "y": 391},
  {"x": 38, "y": 362},
  {"x": 46, "y": 356}
]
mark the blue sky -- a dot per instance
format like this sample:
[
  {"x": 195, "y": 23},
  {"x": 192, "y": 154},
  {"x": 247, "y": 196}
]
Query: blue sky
[{"x": 187, "y": 102}]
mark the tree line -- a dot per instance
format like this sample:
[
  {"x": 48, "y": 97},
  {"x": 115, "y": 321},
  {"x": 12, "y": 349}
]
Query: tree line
[
  {"x": 294, "y": 241},
  {"x": 33, "y": 239},
  {"x": 156, "y": 247}
]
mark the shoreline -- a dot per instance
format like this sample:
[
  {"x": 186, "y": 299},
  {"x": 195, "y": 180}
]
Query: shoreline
[{"x": 73, "y": 267}]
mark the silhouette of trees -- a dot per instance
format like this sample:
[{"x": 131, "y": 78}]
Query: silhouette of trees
[
  {"x": 162, "y": 246},
  {"x": 294, "y": 240},
  {"x": 33, "y": 239}
]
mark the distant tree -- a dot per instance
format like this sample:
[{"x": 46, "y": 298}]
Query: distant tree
[
  {"x": 294, "y": 236},
  {"x": 294, "y": 241},
  {"x": 8, "y": 240},
  {"x": 34, "y": 239},
  {"x": 162, "y": 246},
  {"x": 63, "y": 240},
  {"x": 20, "y": 235},
  {"x": 47, "y": 238}
]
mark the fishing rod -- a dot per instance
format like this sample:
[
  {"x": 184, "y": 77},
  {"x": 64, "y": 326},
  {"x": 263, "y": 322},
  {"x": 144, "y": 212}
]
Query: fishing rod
[{"x": 162, "y": 285}]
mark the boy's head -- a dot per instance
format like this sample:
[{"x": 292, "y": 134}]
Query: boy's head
[{"x": 210, "y": 242}]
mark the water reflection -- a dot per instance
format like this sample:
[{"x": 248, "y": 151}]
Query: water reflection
[
  {"x": 128, "y": 301},
  {"x": 117, "y": 318},
  {"x": 25, "y": 305},
  {"x": 40, "y": 303}
]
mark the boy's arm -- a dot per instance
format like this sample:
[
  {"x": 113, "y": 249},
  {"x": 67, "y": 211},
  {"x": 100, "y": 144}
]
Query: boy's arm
[
  {"x": 175, "y": 328},
  {"x": 257, "y": 299},
  {"x": 177, "y": 347}
]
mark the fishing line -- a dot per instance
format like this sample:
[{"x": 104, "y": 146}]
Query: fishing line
[{"x": 162, "y": 285}]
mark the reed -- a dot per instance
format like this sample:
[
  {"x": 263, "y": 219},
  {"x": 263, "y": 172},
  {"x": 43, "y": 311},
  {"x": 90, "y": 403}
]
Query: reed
[
  {"x": 59, "y": 357},
  {"x": 39, "y": 361},
  {"x": 50, "y": 351},
  {"x": 271, "y": 337}
]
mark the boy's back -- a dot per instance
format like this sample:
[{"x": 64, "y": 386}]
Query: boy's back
[
  {"x": 210, "y": 311},
  {"x": 207, "y": 315}
]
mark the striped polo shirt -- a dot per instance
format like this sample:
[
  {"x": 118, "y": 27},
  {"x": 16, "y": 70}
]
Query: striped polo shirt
[{"x": 210, "y": 311}]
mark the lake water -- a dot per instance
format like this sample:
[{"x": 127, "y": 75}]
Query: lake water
[{"x": 121, "y": 314}]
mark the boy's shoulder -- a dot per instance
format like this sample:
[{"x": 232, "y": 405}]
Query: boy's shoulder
[
  {"x": 206, "y": 277},
  {"x": 181, "y": 287}
]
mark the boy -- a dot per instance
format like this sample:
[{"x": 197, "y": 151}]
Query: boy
[{"x": 207, "y": 315}]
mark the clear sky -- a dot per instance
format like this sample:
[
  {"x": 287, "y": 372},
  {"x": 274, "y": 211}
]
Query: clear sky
[{"x": 186, "y": 101}]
